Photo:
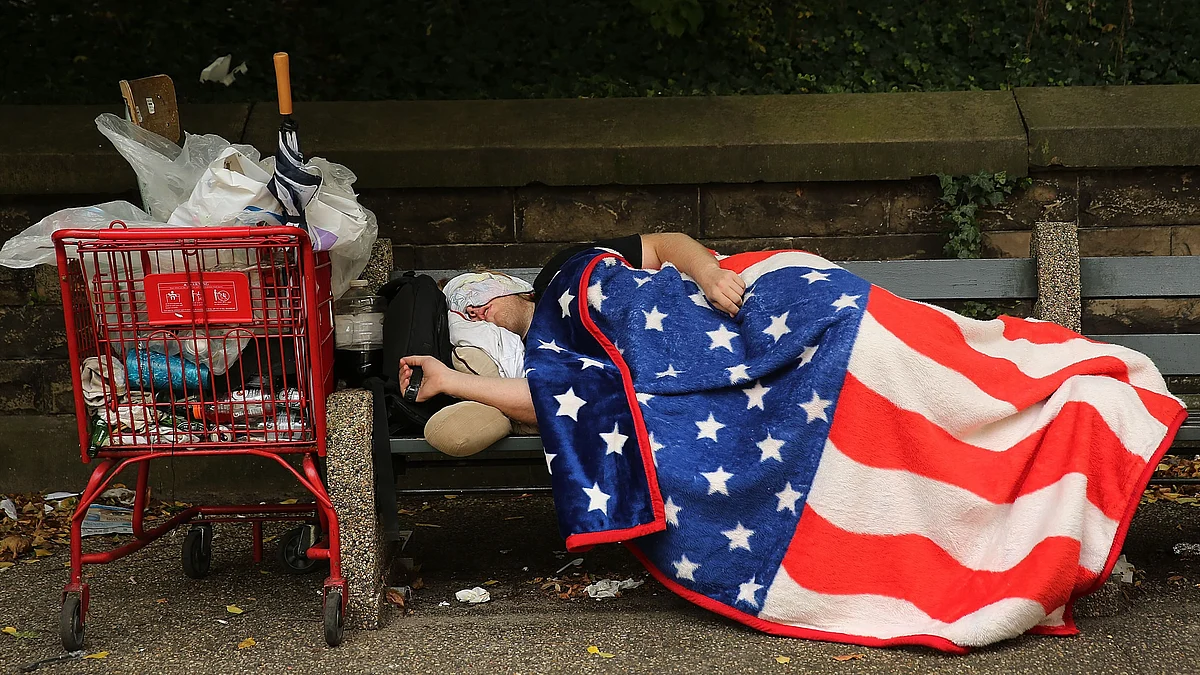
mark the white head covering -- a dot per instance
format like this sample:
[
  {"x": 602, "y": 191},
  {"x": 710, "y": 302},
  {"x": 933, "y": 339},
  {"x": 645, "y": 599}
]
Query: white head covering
[{"x": 476, "y": 289}]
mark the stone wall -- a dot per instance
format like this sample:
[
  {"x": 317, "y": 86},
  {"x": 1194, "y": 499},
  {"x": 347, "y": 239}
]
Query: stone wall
[{"x": 798, "y": 172}]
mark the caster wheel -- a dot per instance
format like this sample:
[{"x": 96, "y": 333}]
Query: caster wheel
[
  {"x": 70, "y": 624},
  {"x": 292, "y": 548},
  {"x": 197, "y": 551},
  {"x": 335, "y": 627}
]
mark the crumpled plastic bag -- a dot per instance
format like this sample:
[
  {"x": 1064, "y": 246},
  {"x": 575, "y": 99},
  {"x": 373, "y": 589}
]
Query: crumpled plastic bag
[
  {"x": 34, "y": 247},
  {"x": 232, "y": 183},
  {"x": 610, "y": 588},
  {"x": 167, "y": 173}
]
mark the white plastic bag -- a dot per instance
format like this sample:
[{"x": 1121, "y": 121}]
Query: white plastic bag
[
  {"x": 232, "y": 183},
  {"x": 35, "y": 247},
  {"x": 167, "y": 174}
]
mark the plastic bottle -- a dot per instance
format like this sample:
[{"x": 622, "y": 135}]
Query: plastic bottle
[{"x": 358, "y": 334}]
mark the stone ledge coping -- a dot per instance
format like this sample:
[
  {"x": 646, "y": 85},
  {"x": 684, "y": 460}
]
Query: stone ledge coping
[
  {"x": 1112, "y": 127},
  {"x": 685, "y": 140}
]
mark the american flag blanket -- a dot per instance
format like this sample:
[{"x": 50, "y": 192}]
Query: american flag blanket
[{"x": 837, "y": 462}]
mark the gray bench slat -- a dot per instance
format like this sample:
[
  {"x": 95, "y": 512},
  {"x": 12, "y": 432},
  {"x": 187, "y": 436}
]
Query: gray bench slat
[
  {"x": 1189, "y": 432},
  {"x": 1150, "y": 276},
  {"x": 1172, "y": 353},
  {"x": 416, "y": 446},
  {"x": 980, "y": 279}
]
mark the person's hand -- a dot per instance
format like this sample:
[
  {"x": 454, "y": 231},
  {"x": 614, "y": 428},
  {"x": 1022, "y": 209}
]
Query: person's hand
[
  {"x": 435, "y": 376},
  {"x": 724, "y": 289}
]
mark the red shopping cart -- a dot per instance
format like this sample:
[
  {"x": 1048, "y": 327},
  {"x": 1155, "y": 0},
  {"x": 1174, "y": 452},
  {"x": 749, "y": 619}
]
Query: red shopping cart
[{"x": 190, "y": 342}]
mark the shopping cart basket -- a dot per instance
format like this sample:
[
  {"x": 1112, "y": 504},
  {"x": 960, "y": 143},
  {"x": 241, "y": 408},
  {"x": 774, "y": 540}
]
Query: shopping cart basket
[{"x": 200, "y": 342}]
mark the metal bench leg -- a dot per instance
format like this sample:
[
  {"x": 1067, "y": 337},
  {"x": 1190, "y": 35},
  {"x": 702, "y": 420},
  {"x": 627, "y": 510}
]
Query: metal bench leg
[{"x": 350, "y": 480}]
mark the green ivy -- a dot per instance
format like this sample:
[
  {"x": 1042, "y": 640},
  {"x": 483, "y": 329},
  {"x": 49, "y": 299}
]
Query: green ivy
[
  {"x": 963, "y": 197},
  {"x": 75, "y": 51}
]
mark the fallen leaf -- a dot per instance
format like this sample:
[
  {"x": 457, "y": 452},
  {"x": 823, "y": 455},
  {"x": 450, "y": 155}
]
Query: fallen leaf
[
  {"x": 606, "y": 655},
  {"x": 247, "y": 643},
  {"x": 1174, "y": 578},
  {"x": 41, "y": 552},
  {"x": 11, "y": 630},
  {"x": 395, "y": 597},
  {"x": 5, "y": 565},
  {"x": 591, "y": 650},
  {"x": 97, "y": 655},
  {"x": 161, "y": 600},
  {"x": 418, "y": 584},
  {"x": 491, "y": 582},
  {"x": 450, "y": 496},
  {"x": 289, "y": 501},
  {"x": 233, "y": 609},
  {"x": 263, "y": 572},
  {"x": 847, "y": 657},
  {"x": 426, "y": 525},
  {"x": 783, "y": 659}
]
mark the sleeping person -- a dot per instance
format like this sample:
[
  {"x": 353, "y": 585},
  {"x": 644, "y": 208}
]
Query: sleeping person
[{"x": 490, "y": 313}]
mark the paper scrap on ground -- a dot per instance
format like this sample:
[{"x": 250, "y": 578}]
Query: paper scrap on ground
[
  {"x": 102, "y": 519},
  {"x": 1123, "y": 570},
  {"x": 59, "y": 496},
  {"x": 9, "y": 508},
  {"x": 218, "y": 71},
  {"x": 610, "y": 588},
  {"x": 473, "y": 596}
]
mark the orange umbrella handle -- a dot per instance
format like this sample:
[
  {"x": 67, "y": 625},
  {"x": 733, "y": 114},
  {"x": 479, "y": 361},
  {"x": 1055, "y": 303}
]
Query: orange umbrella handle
[{"x": 283, "y": 83}]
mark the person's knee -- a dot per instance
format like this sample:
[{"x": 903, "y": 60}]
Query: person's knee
[{"x": 465, "y": 428}]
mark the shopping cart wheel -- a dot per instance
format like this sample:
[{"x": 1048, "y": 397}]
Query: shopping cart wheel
[
  {"x": 197, "y": 551},
  {"x": 335, "y": 626},
  {"x": 292, "y": 548},
  {"x": 70, "y": 623}
]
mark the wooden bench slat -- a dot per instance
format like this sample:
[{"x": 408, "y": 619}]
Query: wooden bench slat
[
  {"x": 1172, "y": 353},
  {"x": 1148, "y": 276}
]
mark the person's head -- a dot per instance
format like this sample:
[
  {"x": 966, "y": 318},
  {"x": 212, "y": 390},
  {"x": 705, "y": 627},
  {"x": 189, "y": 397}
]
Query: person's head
[
  {"x": 493, "y": 297},
  {"x": 514, "y": 312}
]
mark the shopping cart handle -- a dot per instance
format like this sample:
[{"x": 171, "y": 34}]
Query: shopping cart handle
[{"x": 174, "y": 232}]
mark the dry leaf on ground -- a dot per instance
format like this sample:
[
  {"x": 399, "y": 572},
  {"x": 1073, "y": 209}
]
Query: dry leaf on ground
[
  {"x": 783, "y": 659},
  {"x": 247, "y": 643},
  {"x": 97, "y": 655},
  {"x": 395, "y": 597},
  {"x": 234, "y": 609},
  {"x": 847, "y": 657}
]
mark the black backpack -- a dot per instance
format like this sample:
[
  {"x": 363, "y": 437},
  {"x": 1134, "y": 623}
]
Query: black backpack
[{"x": 415, "y": 323}]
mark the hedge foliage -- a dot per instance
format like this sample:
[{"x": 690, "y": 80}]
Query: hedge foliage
[{"x": 72, "y": 51}]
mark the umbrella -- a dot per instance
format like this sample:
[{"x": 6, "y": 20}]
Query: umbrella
[{"x": 293, "y": 183}]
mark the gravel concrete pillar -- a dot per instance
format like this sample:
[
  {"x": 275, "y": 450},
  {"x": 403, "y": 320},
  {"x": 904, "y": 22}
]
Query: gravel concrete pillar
[
  {"x": 379, "y": 266},
  {"x": 1054, "y": 248},
  {"x": 350, "y": 479}
]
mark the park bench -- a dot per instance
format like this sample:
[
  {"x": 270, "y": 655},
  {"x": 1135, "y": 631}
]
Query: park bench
[{"x": 1066, "y": 280}]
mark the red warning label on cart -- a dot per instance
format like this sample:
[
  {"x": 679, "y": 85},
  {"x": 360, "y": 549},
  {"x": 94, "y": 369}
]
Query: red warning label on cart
[{"x": 180, "y": 298}]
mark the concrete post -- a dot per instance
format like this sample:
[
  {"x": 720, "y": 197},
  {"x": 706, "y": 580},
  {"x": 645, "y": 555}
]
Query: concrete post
[
  {"x": 350, "y": 479},
  {"x": 1054, "y": 248}
]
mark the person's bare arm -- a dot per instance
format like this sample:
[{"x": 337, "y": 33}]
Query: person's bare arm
[
  {"x": 722, "y": 287},
  {"x": 508, "y": 394}
]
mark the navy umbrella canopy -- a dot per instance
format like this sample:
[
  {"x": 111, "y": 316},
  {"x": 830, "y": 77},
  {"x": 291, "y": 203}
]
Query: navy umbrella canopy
[{"x": 294, "y": 184}]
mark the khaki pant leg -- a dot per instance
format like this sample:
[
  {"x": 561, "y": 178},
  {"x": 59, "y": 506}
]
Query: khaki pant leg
[{"x": 465, "y": 428}]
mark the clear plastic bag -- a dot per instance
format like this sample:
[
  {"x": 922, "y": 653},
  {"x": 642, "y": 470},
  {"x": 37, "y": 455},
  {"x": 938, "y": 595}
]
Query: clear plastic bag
[
  {"x": 34, "y": 246},
  {"x": 167, "y": 174}
]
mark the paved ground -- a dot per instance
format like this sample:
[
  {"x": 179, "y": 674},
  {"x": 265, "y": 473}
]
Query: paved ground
[{"x": 523, "y": 630}]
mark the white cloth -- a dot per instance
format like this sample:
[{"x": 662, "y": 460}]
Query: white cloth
[
  {"x": 502, "y": 345},
  {"x": 95, "y": 380},
  {"x": 476, "y": 289}
]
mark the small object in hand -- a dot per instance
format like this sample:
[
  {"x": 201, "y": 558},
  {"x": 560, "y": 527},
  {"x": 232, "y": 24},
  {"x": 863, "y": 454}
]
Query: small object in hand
[{"x": 414, "y": 384}]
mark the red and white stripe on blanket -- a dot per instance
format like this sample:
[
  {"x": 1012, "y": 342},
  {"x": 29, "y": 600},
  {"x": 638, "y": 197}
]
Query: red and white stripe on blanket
[{"x": 980, "y": 489}]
